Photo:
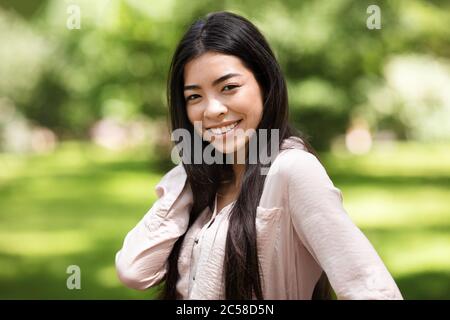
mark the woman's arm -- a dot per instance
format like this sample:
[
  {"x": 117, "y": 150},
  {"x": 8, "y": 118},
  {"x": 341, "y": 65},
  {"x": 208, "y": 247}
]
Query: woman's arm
[
  {"x": 142, "y": 261},
  {"x": 345, "y": 254}
]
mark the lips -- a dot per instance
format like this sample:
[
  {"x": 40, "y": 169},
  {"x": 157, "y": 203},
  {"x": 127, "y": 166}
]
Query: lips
[{"x": 221, "y": 131}]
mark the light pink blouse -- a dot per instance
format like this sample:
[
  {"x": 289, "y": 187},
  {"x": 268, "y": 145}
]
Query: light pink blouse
[{"x": 302, "y": 230}]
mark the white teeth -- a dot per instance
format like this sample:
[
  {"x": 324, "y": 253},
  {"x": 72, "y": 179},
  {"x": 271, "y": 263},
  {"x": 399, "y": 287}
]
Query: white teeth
[{"x": 223, "y": 129}]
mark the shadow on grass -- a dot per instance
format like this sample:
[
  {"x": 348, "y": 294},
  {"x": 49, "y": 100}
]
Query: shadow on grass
[{"x": 425, "y": 285}]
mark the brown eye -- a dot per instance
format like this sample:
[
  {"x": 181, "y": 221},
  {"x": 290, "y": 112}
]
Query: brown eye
[
  {"x": 229, "y": 87},
  {"x": 192, "y": 97}
]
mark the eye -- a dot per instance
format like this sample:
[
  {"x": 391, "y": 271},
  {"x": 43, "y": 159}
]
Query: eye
[
  {"x": 192, "y": 97},
  {"x": 229, "y": 87}
]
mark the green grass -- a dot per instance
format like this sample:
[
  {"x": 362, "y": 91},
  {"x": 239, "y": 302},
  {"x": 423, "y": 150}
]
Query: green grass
[{"x": 75, "y": 206}]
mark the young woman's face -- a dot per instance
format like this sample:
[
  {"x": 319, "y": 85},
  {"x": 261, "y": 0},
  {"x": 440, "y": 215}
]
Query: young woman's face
[{"x": 222, "y": 96}]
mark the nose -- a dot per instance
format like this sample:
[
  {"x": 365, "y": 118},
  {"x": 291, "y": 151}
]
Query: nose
[{"x": 215, "y": 109}]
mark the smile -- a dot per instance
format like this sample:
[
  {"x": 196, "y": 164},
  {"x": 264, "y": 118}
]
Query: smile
[{"x": 223, "y": 130}]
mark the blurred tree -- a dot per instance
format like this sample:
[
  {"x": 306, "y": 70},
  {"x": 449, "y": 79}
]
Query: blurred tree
[{"x": 116, "y": 64}]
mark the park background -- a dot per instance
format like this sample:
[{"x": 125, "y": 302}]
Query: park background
[{"x": 84, "y": 136}]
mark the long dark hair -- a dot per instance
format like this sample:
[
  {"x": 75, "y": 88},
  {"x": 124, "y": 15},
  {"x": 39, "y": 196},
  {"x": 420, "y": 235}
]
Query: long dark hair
[{"x": 231, "y": 34}]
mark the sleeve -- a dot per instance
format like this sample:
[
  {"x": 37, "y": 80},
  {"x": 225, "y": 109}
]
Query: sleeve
[
  {"x": 352, "y": 265},
  {"x": 142, "y": 261}
]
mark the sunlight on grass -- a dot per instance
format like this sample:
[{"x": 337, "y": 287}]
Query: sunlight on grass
[
  {"x": 107, "y": 277},
  {"x": 35, "y": 243},
  {"x": 404, "y": 159},
  {"x": 410, "y": 251},
  {"x": 431, "y": 255},
  {"x": 132, "y": 186},
  {"x": 370, "y": 206}
]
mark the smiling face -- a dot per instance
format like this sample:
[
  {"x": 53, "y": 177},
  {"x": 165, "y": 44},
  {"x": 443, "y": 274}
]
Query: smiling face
[{"x": 223, "y": 100}]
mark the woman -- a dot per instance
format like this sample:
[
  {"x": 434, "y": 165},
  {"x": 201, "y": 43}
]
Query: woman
[{"x": 228, "y": 231}]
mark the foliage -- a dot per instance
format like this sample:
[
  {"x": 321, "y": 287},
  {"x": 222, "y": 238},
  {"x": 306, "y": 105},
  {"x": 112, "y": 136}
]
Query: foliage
[{"x": 116, "y": 64}]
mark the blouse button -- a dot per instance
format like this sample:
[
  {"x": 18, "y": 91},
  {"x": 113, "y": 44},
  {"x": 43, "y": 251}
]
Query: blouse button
[{"x": 196, "y": 241}]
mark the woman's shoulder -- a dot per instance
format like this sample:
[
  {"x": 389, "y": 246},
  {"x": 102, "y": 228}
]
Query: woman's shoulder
[
  {"x": 292, "y": 170},
  {"x": 296, "y": 166},
  {"x": 294, "y": 158},
  {"x": 172, "y": 182},
  {"x": 300, "y": 174},
  {"x": 293, "y": 142}
]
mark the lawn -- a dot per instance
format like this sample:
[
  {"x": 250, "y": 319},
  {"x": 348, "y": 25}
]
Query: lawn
[{"x": 74, "y": 207}]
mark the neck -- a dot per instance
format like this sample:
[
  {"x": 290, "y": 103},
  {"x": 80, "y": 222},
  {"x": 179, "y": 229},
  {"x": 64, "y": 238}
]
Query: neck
[
  {"x": 238, "y": 174},
  {"x": 238, "y": 170}
]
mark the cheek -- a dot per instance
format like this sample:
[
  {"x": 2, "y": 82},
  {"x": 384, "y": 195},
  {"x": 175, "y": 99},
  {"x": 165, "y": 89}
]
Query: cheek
[
  {"x": 194, "y": 114},
  {"x": 254, "y": 118},
  {"x": 252, "y": 107}
]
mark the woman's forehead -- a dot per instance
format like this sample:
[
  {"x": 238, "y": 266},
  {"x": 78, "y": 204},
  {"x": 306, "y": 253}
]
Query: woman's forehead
[{"x": 210, "y": 66}]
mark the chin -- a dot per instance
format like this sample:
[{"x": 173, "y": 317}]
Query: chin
[{"x": 228, "y": 146}]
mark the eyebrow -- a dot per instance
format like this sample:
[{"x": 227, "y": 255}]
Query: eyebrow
[{"x": 215, "y": 82}]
